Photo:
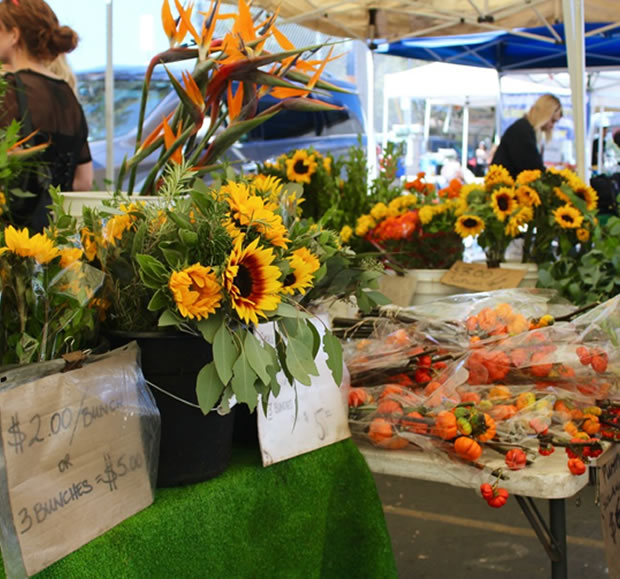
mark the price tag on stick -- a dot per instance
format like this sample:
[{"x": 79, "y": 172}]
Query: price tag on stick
[{"x": 76, "y": 449}]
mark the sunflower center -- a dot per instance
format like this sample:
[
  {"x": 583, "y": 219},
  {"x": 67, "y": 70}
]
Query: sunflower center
[
  {"x": 568, "y": 218},
  {"x": 289, "y": 280},
  {"x": 470, "y": 223},
  {"x": 503, "y": 202},
  {"x": 300, "y": 167},
  {"x": 243, "y": 280}
]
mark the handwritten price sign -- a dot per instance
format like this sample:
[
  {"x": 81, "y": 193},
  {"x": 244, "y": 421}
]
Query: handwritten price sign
[
  {"x": 303, "y": 418},
  {"x": 478, "y": 277},
  {"x": 76, "y": 460}
]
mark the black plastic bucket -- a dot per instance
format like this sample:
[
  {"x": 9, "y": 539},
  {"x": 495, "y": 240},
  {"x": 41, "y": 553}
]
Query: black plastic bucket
[{"x": 194, "y": 447}]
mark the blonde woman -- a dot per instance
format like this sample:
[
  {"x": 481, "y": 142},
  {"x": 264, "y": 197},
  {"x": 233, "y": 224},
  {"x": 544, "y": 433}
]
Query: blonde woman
[
  {"x": 62, "y": 69},
  {"x": 521, "y": 146}
]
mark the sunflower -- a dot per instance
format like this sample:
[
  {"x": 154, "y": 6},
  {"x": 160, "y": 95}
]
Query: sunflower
[
  {"x": 249, "y": 210},
  {"x": 301, "y": 167},
  {"x": 69, "y": 256},
  {"x": 39, "y": 246},
  {"x": 345, "y": 234},
  {"x": 503, "y": 203},
  {"x": 251, "y": 281},
  {"x": 2, "y": 202},
  {"x": 583, "y": 234},
  {"x": 521, "y": 217},
  {"x": 527, "y": 177},
  {"x": 567, "y": 217},
  {"x": 527, "y": 196},
  {"x": 327, "y": 165},
  {"x": 465, "y": 191},
  {"x": 469, "y": 225},
  {"x": 588, "y": 195},
  {"x": 116, "y": 226},
  {"x": 497, "y": 175},
  {"x": 196, "y": 291},
  {"x": 304, "y": 264},
  {"x": 268, "y": 186}
]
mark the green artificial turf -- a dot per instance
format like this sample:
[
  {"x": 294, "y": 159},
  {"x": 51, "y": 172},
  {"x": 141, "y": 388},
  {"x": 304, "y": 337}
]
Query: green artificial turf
[{"x": 317, "y": 515}]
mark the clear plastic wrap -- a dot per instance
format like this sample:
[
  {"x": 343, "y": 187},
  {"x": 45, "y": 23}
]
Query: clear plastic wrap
[
  {"x": 513, "y": 395},
  {"x": 79, "y": 454}
]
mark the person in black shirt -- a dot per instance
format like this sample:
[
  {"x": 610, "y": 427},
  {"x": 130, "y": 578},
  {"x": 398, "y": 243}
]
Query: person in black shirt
[
  {"x": 519, "y": 149},
  {"x": 30, "y": 39}
]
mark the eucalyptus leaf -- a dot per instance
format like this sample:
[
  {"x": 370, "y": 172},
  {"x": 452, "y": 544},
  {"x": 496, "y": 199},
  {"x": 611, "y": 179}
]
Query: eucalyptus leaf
[
  {"x": 300, "y": 362},
  {"x": 258, "y": 358},
  {"x": 209, "y": 387},
  {"x": 225, "y": 353},
  {"x": 333, "y": 349},
  {"x": 158, "y": 301},
  {"x": 243, "y": 383},
  {"x": 152, "y": 267},
  {"x": 288, "y": 311},
  {"x": 210, "y": 325}
]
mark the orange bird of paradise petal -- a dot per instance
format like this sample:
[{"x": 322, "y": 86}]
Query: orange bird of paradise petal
[
  {"x": 155, "y": 133},
  {"x": 168, "y": 23},
  {"x": 169, "y": 139},
  {"x": 234, "y": 102},
  {"x": 192, "y": 90},
  {"x": 244, "y": 25},
  {"x": 185, "y": 15}
]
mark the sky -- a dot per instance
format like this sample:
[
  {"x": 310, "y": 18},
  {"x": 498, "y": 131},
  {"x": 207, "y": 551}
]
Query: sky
[{"x": 137, "y": 31}]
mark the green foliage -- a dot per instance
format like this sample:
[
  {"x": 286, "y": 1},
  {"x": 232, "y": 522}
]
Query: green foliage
[{"x": 587, "y": 273}]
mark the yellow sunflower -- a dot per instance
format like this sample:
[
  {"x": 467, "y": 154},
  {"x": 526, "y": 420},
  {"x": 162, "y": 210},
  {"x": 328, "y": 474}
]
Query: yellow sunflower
[
  {"x": 583, "y": 234},
  {"x": 567, "y": 217},
  {"x": 249, "y": 210},
  {"x": 588, "y": 195},
  {"x": 503, "y": 203},
  {"x": 69, "y": 256},
  {"x": 268, "y": 186},
  {"x": 251, "y": 281},
  {"x": 469, "y": 225},
  {"x": 345, "y": 234},
  {"x": 497, "y": 175},
  {"x": 527, "y": 177},
  {"x": 39, "y": 246},
  {"x": 304, "y": 264},
  {"x": 301, "y": 167},
  {"x": 2, "y": 202},
  {"x": 116, "y": 226},
  {"x": 196, "y": 291},
  {"x": 527, "y": 196},
  {"x": 520, "y": 218}
]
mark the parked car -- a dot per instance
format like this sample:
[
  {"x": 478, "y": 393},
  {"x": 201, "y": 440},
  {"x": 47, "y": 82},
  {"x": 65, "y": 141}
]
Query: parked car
[{"x": 327, "y": 131}]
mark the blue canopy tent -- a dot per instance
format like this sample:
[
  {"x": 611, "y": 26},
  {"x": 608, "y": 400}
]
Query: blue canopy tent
[{"x": 533, "y": 48}]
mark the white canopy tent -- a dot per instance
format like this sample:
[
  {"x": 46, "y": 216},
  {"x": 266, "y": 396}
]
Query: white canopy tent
[{"x": 440, "y": 83}]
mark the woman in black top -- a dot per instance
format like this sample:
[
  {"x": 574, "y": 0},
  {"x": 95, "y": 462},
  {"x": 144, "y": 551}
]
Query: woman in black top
[
  {"x": 30, "y": 39},
  {"x": 519, "y": 148}
]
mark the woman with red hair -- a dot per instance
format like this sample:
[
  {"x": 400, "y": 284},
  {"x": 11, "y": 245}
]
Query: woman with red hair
[{"x": 30, "y": 40}]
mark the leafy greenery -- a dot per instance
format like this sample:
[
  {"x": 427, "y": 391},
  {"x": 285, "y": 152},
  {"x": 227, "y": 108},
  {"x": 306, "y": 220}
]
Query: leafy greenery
[{"x": 587, "y": 273}]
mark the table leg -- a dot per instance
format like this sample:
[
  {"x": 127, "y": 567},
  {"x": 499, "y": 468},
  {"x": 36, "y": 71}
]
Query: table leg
[{"x": 557, "y": 524}]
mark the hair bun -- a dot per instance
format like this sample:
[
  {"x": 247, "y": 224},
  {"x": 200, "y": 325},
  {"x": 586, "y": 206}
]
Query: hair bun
[{"x": 63, "y": 39}]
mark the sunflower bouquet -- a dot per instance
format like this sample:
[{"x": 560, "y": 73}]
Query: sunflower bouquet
[
  {"x": 215, "y": 261},
  {"x": 415, "y": 230},
  {"x": 551, "y": 210},
  {"x": 46, "y": 296}
]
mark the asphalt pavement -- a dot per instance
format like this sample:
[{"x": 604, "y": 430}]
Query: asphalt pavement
[{"x": 439, "y": 531}]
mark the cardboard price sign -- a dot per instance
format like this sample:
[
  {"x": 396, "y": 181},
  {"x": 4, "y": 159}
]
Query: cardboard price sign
[
  {"x": 75, "y": 459},
  {"x": 478, "y": 277},
  {"x": 303, "y": 418}
]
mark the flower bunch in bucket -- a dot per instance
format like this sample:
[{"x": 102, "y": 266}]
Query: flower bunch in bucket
[
  {"x": 216, "y": 261},
  {"x": 415, "y": 230}
]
